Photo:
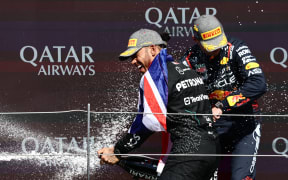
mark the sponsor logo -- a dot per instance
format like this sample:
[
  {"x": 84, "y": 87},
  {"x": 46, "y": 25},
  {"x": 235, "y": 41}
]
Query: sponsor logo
[
  {"x": 189, "y": 83},
  {"x": 219, "y": 94},
  {"x": 190, "y": 100},
  {"x": 211, "y": 47},
  {"x": 232, "y": 100},
  {"x": 142, "y": 175},
  {"x": 241, "y": 47},
  {"x": 280, "y": 62},
  {"x": 179, "y": 70},
  {"x": 243, "y": 102},
  {"x": 252, "y": 65},
  {"x": 254, "y": 71},
  {"x": 256, "y": 137},
  {"x": 247, "y": 57},
  {"x": 248, "y": 60},
  {"x": 243, "y": 52},
  {"x": 211, "y": 34},
  {"x": 133, "y": 141},
  {"x": 224, "y": 61},
  {"x": 132, "y": 42},
  {"x": 55, "y": 145},
  {"x": 226, "y": 81},
  {"x": 280, "y": 146},
  {"x": 180, "y": 25},
  {"x": 67, "y": 61}
]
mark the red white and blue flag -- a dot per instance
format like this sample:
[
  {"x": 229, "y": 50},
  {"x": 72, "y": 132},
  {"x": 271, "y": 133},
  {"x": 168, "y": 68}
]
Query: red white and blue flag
[
  {"x": 153, "y": 97},
  {"x": 152, "y": 103}
]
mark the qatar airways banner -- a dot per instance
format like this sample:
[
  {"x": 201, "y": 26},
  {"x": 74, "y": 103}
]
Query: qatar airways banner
[{"x": 56, "y": 57}]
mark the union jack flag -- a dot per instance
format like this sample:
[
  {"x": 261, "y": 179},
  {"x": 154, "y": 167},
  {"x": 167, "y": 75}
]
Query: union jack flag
[{"x": 153, "y": 98}]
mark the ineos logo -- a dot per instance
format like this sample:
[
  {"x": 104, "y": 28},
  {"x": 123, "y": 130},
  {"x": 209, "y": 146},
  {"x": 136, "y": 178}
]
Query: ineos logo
[
  {"x": 280, "y": 146},
  {"x": 133, "y": 141}
]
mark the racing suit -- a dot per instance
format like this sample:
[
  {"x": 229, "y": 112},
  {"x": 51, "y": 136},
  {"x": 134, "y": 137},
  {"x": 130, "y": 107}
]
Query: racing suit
[
  {"x": 234, "y": 81},
  {"x": 189, "y": 134}
]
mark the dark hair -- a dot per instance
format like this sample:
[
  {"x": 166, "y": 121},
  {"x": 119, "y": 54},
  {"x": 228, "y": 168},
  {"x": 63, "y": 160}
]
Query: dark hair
[{"x": 165, "y": 37}]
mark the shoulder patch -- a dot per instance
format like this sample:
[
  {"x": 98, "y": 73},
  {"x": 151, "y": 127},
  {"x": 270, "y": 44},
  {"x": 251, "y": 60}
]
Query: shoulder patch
[{"x": 252, "y": 65}]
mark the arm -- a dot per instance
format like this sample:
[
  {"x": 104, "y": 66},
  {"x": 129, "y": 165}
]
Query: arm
[
  {"x": 253, "y": 85},
  {"x": 130, "y": 142},
  {"x": 126, "y": 144}
]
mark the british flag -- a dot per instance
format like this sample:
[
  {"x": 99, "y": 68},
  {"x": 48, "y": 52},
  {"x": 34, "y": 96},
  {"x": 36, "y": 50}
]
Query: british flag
[
  {"x": 153, "y": 97},
  {"x": 152, "y": 103}
]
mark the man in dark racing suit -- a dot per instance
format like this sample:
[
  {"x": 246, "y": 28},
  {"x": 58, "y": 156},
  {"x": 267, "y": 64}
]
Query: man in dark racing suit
[
  {"x": 234, "y": 81},
  {"x": 190, "y": 134}
]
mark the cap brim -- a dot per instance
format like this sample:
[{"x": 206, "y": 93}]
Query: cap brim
[
  {"x": 215, "y": 43},
  {"x": 126, "y": 54}
]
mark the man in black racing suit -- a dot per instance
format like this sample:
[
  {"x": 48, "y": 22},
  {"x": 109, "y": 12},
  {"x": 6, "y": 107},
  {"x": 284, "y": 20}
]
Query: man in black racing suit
[
  {"x": 234, "y": 81},
  {"x": 192, "y": 134}
]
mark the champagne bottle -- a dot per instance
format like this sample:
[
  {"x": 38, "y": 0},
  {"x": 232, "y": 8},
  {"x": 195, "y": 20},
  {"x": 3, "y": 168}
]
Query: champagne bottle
[{"x": 140, "y": 166}]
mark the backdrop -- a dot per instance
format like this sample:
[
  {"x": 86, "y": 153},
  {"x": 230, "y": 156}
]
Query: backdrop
[{"x": 60, "y": 55}]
